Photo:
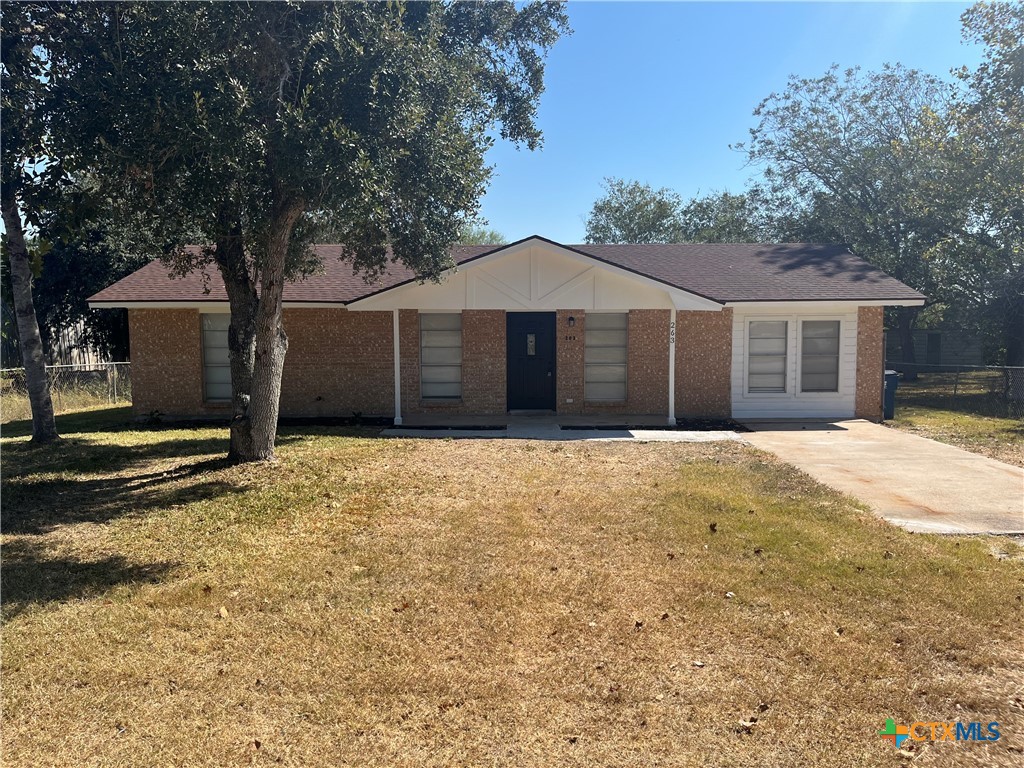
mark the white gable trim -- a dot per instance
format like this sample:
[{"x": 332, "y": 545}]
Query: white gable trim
[
  {"x": 787, "y": 305},
  {"x": 536, "y": 274}
]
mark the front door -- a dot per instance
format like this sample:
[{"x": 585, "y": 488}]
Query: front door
[{"x": 531, "y": 360}]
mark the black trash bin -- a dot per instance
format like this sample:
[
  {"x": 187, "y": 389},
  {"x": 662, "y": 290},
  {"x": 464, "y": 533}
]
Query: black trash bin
[{"x": 892, "y": 383}]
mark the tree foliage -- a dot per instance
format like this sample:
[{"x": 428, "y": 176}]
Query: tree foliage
[
  {"x": 476, "y": 232},
  {"x": 634, "y": 212},
  {"x": 271, "y": 125},
  {"x": 858, "y": 155},
  {"x": 981, "y": 264}
]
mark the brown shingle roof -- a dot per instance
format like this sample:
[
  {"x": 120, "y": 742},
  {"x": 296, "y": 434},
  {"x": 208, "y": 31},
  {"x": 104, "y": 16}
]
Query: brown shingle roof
[{"x": 721, "y": 272}]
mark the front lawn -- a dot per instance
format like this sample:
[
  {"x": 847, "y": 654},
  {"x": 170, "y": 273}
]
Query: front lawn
[{"x": 412, "y": 602}]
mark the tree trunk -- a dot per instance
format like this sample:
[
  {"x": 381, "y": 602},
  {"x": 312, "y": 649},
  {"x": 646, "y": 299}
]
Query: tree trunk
[
  {"x": 1013, "y": 333},
  {"x": 44, "y": 428},
  {"x": 906, "y": 319},
  {"x": 254, "y": 425},
  {"x": 1013, "y": 339},
  {"x": 243, "y": 299}
]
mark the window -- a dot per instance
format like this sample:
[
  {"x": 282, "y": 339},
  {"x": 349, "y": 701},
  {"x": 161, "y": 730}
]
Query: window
[
  {"x": 216, "y": 368},
  {"x": 441, "y": 356},
  {"x": 819, "y": 356},
  {"x": 766, "y": 356},
  {"x": 604, "y": 357}
]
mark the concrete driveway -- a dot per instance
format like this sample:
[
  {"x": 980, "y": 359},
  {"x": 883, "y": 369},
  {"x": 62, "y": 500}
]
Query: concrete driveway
[{"x": 911, "y": 481}]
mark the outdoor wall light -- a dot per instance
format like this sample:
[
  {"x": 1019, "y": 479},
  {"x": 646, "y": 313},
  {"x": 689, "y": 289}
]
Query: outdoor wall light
[{"x": 572, "y": 322}]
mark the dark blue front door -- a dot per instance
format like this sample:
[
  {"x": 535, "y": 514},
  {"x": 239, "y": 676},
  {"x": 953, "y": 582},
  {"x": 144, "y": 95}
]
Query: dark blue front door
[{"x": 531, "y": 360}]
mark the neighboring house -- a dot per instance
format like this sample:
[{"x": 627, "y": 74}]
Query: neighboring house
[{"x": 695, "y": 331}]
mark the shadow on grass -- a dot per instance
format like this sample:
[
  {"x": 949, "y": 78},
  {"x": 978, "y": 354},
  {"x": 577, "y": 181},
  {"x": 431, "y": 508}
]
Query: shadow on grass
[
  {"x": 39, "y": 505},
  {"x": 28, "y": 577},
  {"x": 87, "y": 455},
  {"x": 98, "y": 420}
]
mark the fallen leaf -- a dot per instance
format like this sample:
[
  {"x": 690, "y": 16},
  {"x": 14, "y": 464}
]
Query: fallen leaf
[
  {"x": 747, "y": 725},
  {"x": 664, "y": 617},
  {"x": 730, "y": 595},
  {"x": 223, "y": 612},
  {"x": 699, "y": 664},
  {"x": 713, "y": 527}
]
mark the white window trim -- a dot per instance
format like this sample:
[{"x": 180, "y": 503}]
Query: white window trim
[
  {"x": 746, "y": 356},
  {"x": 800, "y": 358},
  {"x": 794, "y": 352}
]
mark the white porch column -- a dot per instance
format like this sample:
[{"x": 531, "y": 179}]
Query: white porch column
[
  {"x": 398, "y": 372},
  {"x": 672, "y": 368}
]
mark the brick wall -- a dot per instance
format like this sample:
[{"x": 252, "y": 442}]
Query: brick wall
[
  {"x": 167, "y": 368},
  {"x": 569, "y": 360},
  {"x": 483, "y": 364},
  {"x": 704, "y": 364},
  {"x": 647, "y": 385},
  {"x": 341, "y": 362},
  {"x": 647, "y": 364},
  {"x": 338, "y": 363},
  {"x": 870, "y": 363}
]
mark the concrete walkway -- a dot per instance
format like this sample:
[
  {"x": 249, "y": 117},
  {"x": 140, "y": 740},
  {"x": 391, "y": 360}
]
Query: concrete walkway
[
  {"x": 546, "y": 425},
  {"x": 554, "y": 432},
  {"x": 920, "y": 484}
]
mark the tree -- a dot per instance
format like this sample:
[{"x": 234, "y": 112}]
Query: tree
[
  {"x": 634, "y": 212},
  {"x": 476, "y": 232},
  {"x": 982, "y": 261},
  {"x": 22, "y": 174},
  {"x": 723, "y": 217},
  {"x": 857, "y": 155},
  {"x": 368, "y": 121}
]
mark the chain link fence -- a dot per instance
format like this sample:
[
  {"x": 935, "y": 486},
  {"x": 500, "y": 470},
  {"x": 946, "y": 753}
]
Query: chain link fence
[
  {"x": 72, "y": 387},
  {"x": 980, "y": 390}
]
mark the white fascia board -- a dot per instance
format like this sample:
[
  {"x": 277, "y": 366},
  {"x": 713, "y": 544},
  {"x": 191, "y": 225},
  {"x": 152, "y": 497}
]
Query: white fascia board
[
  {"x": 206, "y": 306},
  {"x": 819, "y": 306}
]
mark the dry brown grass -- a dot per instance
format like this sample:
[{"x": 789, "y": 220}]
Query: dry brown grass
[{"x": 398, "y": 602}]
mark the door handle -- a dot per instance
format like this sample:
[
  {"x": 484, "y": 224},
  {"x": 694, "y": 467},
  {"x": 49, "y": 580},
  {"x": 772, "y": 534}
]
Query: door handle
[{"x": 549, "y": 373}]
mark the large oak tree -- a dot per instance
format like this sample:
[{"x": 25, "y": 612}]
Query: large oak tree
[{"x": 268, "y": 126}]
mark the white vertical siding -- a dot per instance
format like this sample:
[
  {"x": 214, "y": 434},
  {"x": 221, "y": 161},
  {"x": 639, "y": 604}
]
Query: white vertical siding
[{"x": 793, "y": 404}]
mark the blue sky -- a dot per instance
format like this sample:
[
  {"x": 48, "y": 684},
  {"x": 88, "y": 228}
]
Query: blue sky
[{"x": 658, "y": 91}]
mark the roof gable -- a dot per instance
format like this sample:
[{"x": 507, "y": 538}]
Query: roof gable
[{"x": 537, "y": 274}]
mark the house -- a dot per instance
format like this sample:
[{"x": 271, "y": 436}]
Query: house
[{"x": 674, "y": 330}]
